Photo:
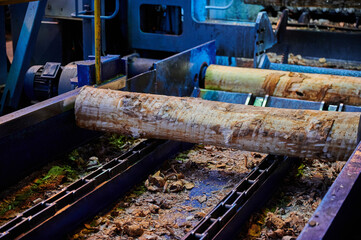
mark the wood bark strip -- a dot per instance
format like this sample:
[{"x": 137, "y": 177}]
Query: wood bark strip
[
  {"x": 300, "y": 133},
  {"x": 308, "y": 3},
  {"x": 313, "y": 87}
]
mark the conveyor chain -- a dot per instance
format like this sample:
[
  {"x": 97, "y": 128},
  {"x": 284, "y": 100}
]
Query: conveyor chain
[
  {"x": 237, "y": 200},
  {"x": 70, "y": 194}
]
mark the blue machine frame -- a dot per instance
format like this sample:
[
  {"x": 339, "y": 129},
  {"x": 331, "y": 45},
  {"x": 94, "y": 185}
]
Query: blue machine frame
[
  {"x": 233, "y": 39},
  {"x": 23, "y": 52},
  {"x": 3, "y": 59}
]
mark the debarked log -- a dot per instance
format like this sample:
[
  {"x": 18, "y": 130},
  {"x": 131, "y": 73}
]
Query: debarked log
[
  {"x": 300, "y": 133},
  {"x": 304, "y": 86}
]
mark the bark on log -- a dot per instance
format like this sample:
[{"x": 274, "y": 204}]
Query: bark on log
[
  {"x": 308, "y": 3},
  {"x": 300, "y": 133},
  {"x": 314, "y": 87}
]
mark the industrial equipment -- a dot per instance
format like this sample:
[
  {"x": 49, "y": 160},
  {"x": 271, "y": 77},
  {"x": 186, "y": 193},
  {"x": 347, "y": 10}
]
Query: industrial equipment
[{"x": 183, "y": 49}]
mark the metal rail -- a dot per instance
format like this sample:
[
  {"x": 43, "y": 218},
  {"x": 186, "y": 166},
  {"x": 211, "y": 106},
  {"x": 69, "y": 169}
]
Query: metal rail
[
  {"x": 58, "y": 215},
  {"x": 220, "y": 7},
  {"x": 97, "y": 41},
  {"x": 251, "y": 193},
  {"x": 337, "y": 216},
  {"x": 270, "y": 101}
]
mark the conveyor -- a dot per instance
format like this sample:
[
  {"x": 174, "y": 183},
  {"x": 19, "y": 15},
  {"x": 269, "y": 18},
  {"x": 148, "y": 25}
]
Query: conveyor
[{"x": 32, "y": 136}]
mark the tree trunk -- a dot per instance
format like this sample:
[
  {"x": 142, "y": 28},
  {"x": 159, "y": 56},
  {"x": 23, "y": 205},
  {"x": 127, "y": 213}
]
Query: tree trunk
[
  {"x": 300, "y": 133},
  {"x": 308, "y": 3},
  {"x": 314, "y": 87}
]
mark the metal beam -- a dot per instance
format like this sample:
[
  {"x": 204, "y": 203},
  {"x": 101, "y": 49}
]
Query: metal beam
[
  {"x": 6, "y": 2},
  {"x": 23, "y": 53},
  {"x": 3, "y": 60},
  {"x": 337, "y": 217},
  {"x": 97, "y": 40}
]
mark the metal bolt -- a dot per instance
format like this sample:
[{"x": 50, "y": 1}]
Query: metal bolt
[
  {"x": 312, "y": 223},
  {"x": 86, "y": 7}
]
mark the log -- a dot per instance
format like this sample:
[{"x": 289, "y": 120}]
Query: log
[
  {"x": 308, "y": 3},
  {"x": 299, "y": 133},
  {"x": 313, "y": 87}
]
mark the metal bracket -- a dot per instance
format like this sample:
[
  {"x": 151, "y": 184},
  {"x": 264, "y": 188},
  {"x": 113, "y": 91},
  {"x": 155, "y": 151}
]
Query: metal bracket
[
  {"x": 265, "y": 37},
  {"x": 51, "y": 70},
  {"x": 187, "y": 65},
  {"x": 282, "y": 26}
]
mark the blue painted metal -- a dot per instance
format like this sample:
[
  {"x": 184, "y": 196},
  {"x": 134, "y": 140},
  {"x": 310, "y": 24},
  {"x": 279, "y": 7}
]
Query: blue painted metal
[
  {"x": 265, "y": 38},
  {"x": 233, "y": 38},
  {"x": 276, "y": 102},
  {"x": 88, "y": 33},
  {"x": 337, "y": 217},
  {"x": 221, "y": 96},
  {"x": 88, "y": 40},
  {"x": 220, "y": 7},
  {"x": 226, "y": 61},
  {"x": 111, "y": 68},
  {"x": 178, "y": 74},
  {"x": 81, "y": 14},
  {"x": 264, "y": 62},
  {"x": 49, "y": 35},
  {"x": 143, "y": 83},
  {"x": 3, "y": 58},
  {"x": 318, "y": 70},
  {"x": 61, "y": 9},
  {"x": 18, "y": 10},
  {"x": 322, "y": 44},
  {"x": 23, "y": 52},
  {"x": 228, "y": 11}
]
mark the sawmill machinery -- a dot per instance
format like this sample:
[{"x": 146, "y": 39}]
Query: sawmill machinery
[{"x": 196, "y": 49}]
